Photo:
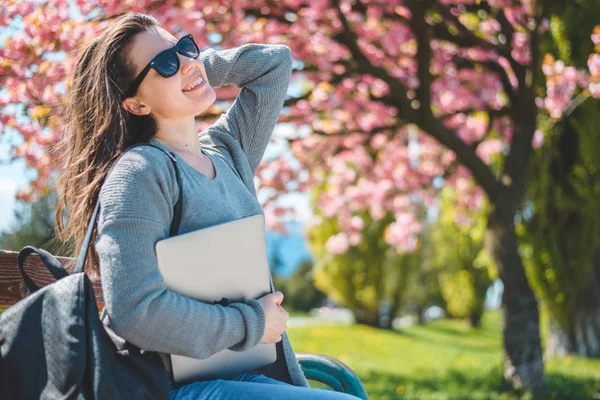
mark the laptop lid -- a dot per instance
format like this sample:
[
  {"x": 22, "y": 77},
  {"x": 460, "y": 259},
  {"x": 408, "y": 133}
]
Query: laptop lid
[{"x": 227, "y": 260}]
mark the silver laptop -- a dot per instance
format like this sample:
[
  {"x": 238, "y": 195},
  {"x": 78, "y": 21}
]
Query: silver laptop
[{"x": 235, "y": 266}]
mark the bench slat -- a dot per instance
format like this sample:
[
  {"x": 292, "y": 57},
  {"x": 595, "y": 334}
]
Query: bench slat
[{"x": 12, "y": 287}]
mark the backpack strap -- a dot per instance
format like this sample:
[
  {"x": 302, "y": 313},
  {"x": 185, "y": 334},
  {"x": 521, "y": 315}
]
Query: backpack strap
[
  {"x": 176, "y": 214},
  {"x": 54, "y": 266}
]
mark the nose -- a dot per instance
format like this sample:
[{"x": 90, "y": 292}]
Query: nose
[{"x": 187, "y": 64}]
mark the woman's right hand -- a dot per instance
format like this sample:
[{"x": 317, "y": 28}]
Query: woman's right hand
[{"x": 275, "y": 317}]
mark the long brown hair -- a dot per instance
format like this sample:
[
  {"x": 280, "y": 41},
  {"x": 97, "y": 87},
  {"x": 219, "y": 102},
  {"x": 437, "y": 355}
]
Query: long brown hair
[{"x": 97, "y": 127}]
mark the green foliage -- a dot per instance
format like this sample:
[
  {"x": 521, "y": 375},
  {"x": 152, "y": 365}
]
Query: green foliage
[
  {"x": 424, "y": 285},
  {"x": 560, "y": 231},
  {"x": 367, "y": 274},
  {"x": 563, "y": 46},
  {"x": 563, "y": 235},
  {"x": 414, "y": 286},
  {"x": 442, "y": 360},
  {"x": 300, "y": 291},
  {"x": 33, "y": 226},
  {"x": 571, "y": 24},
  {"x": 465, "y": 268}
]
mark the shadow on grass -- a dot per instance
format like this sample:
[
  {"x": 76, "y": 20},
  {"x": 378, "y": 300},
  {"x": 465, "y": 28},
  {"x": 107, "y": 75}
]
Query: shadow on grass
[
  {"x": 444, "y": 339},
  {"x": 447, "y": 330},
  {"x": 455, "y": 384},
  {"x": 467, "y": 331}
]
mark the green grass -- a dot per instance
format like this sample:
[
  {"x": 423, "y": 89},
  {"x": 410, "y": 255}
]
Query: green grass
[
  {"x": 300, "y": 314},
  {"x": 443, "y": 360},
  {"x": 439, "y": 361}
]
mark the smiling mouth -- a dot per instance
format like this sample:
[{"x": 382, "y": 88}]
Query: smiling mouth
[{"x": 198, "y": 82}]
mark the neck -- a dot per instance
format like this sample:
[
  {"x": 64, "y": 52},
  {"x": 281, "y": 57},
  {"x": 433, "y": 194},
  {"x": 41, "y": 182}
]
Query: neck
[{"x": 181, "y": 136}]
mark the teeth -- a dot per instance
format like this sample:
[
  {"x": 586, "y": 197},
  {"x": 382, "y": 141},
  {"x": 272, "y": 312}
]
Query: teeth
[{"x": 193, "y": 84}]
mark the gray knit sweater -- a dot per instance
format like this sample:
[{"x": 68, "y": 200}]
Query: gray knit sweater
[{"x": 137, "y": 200}]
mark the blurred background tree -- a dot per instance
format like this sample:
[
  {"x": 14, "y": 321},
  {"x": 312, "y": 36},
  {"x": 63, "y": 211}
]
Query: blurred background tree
[
  {"x": 301, "y": 293},
  {"x": 363, "y": 277},
  {"x": 465, "y": 269},
  {"x": 561, "y": 222},
  {"x": 33, "y": 225},
  {"x": 424, "y": 289}
]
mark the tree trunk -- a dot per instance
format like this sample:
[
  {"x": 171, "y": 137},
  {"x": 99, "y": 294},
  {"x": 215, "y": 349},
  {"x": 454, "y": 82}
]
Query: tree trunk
[
  {"x": 583, "y": 335},
  {"x": 421, "y": 316},
  {"x": 523, "y": 362},
  {"x": 475, "y": 319},
  {"x": 364, "y": 317}
]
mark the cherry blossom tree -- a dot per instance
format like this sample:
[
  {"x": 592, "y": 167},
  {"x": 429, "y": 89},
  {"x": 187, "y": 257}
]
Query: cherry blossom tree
[{"x": 399, "y": 98}]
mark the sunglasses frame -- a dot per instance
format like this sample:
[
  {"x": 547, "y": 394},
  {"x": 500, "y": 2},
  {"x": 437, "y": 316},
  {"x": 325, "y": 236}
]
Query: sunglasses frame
[{"x": 133, "y": 87}]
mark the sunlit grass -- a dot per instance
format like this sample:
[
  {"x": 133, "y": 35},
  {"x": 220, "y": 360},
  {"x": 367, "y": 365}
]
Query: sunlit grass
[{"x": 443, "y": 360}]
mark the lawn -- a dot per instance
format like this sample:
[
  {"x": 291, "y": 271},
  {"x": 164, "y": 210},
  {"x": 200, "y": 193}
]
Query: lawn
[{"x": 443, "y": 360}]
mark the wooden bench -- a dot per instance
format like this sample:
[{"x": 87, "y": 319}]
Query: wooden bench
[{"x": 316, "y": 367}]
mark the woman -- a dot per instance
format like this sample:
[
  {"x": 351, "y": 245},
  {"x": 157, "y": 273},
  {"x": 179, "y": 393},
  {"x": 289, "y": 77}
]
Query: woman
[{"x": 135, "y": 82}]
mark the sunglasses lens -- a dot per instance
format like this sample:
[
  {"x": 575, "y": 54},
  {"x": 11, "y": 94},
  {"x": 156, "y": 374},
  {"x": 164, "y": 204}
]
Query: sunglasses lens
[
  {"x": 166, "y": 64},
  {"x": 188, "y": 48}
]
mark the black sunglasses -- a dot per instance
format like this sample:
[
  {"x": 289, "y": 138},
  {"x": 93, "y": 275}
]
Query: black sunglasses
[{"x": 166, "y": 63}]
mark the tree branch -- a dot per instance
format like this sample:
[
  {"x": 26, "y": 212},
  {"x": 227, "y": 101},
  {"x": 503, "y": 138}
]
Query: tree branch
[
  {"x": 493, "y": 67},
  {"x": 505, "y": 26},
  {"x": 423, "y": 35},
  {"x": 524, "y": 118},
  {"x": 491, "y": 113},
  {"x": 468, "y": 37},
  {"x": 345, "y": 133},
  {"x": 398, "y": 93},
  {"x": 425, "y": 118},
  {"x": 293, "y": 100},
  {"x": 467, "y": 156},
  {"x": 258, "y": 14}
]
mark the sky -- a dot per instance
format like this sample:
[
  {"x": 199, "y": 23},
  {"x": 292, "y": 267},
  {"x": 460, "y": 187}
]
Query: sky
[{"x": 12, "y": 177}]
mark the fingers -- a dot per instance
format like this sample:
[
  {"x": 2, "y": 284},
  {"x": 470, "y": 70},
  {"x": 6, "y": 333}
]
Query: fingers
[
  {"x": 276, "y": 317},
  {"x": 285, "y": 314},
  {"x": 269, "y": 341},
  {"x": 278, "y": 297}
]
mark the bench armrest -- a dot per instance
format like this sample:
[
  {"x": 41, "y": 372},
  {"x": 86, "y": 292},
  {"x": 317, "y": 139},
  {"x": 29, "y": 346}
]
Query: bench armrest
[{"x": 331, "y": 372}]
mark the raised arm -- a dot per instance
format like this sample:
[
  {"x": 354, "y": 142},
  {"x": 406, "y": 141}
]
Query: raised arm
[
  {"x": 136, "y": 210},
  {"x": 262, "y": 71}
]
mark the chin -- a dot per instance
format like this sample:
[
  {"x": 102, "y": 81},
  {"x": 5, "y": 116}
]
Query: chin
[
  {"x": 202, "y": 109},
  {"x": 205, "y": 105}
]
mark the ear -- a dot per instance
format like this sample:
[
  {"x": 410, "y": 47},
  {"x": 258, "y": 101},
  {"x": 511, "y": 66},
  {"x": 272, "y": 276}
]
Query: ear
[{"x": 135, "y": 106}]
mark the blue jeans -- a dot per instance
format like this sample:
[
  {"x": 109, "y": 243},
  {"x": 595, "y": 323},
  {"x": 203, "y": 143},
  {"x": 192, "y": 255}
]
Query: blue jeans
[{"x": 252, "y": 386}]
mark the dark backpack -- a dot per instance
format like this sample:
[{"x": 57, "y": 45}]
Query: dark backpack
[{"x": 54, "y": 346}]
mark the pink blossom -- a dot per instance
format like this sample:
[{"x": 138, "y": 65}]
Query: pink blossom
[
  {"x": 594, "y": 64},
  {"x": 596, "y": 36},
  {"x": 544, "y": 25},
  {"x": 488, "y": 149},
  {"x": 521, "y": 52},
  {"x": 538, "y": 139},
  {"x": 489, "y": 26},
  {"x": 595, "y": 90},
  {"x": 337, "y": 244},
  {"x": 561, "y": 82}
]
